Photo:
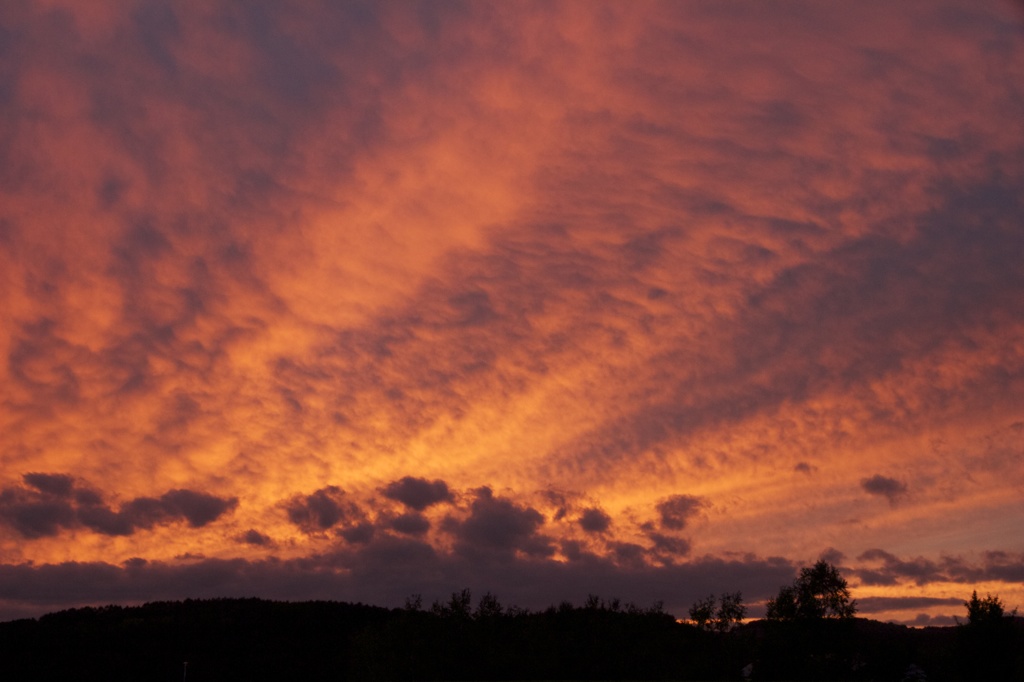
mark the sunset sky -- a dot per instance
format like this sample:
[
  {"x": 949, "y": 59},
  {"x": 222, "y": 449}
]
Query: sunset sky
[{"x": 651, "y": 300}]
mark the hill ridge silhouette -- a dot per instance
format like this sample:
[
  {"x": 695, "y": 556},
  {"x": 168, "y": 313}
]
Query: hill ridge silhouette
[{"x": 259, "y": 639}]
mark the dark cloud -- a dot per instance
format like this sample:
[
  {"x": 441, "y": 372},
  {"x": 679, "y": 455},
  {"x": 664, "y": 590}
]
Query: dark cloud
[
  {"x": 393, "y": 561},
  {"x": 832, "y": 556},
  {"x": 35, "y": 513},
  {"x": 804, "y": 468},
  {"x": 628, "y": 554},
  {"x": 500, "y": 525},
  {"x": 418, "y": 493},
  {"x": 145, "y": 512},
  {"x": 559, "y": 500},
  {"x": 676, "y": 511},
  {"x": 1005, "y": 566},
  {"x": 572, "y": 549},
  {"x": 872, "y": 606},
  {"x": 869, "y": 605},
  {"x": 58, "y": 485},
  {"x": 595, "y": 520},
  {"x": 86, "y": 497},
  {"x": 322, "y": 509},
  {"x": 386, "y": 571},
  {"x": 894, "y": 570},
  {"x": 106, "y": 521},
  {"x": 256, "y": 538},
  {"x": 198, "y": 508},
  {"x": 359, "y": 534},
  {"x": 923, "y": 620},
  {"x": 667, "y": 547},
  {"x": 53, "y": 502},
  {"x": 33, "y": 518},
  {"x": 890, "y": 488},
  {"x": 885, "y": 568},
  {"x": 995, "y": 566},
  {"x": 412, "y": 523}
]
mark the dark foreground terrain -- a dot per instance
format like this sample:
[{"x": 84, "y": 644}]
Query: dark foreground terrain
[{"x": 252, "y": 639}]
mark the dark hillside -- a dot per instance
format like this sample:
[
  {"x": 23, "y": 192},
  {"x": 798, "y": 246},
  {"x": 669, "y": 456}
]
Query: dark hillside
[
  {"x": 221, "y": 639},
  {"x": 252, "y": 639}
]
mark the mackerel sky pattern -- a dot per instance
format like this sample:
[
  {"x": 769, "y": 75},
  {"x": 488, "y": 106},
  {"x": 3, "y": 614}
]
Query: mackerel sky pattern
[{"x": 647, "y": 300}]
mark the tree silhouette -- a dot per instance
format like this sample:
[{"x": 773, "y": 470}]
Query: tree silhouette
[
  {"x": 985, "y": 612},
  {"x": 489, "y": 607},
  {"x": 702, "y": 611},
  {"x": 728, "y": 615},
  {"x": 458, "y": 607},
  {"x": 985, "y": 639},
  {"x": 730, "y": 611},
  {"x": 819, "y": 592}
]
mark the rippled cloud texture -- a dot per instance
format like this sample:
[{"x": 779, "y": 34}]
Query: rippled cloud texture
[{"x": 645, "y": 299}]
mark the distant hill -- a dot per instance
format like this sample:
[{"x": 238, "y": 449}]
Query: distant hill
[{"x": 253, "y": 639}]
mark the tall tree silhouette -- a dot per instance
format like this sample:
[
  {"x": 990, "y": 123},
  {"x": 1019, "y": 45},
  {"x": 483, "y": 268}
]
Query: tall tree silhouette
[
  {"x": 819, "y": 592},
  {"x": 986, "y": 638}
]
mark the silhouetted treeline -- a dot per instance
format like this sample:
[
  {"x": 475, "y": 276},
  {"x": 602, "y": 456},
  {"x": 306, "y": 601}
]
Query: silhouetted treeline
[
  {"x": 597, "y": 641},
  {"x": 251, "y": 639}
]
